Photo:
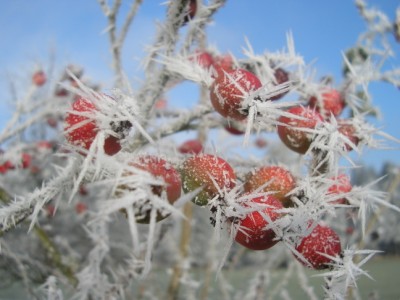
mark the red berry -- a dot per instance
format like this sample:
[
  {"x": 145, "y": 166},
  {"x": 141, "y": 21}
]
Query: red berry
[
  {"x": 26, "y": 160},
  {"x": 9, "y": 165},
  {"x": 50, "y": 210},
  {"x": 80, "y": 208},
  {"x": 52, "y": 122},
  {"x": 329, "y": 102},
  {"x": 203, "y": 58},
  {"x": 290, "y": 130},
  {"x": 44, "y": 145},
  {"x": 39, "y": 78},
  {"x": 161, "y": 104},
  {"x": 35, "y": 169},
  {"x": 202, "y": 171},
  {"x": 252, "y": 232},
  {"x": 191, "y": 146},
  {"x": 320, "y": 242},
  {"x": 84, "y": 135},
  {"x": 224, "y": 63},
  {"x": 342, "y": 185},
  {"x": 112, "y": 145},
  {"x": 85, "y": 130},
  {"x": 235, "y": 128},
  {"x": 281, "y": 76},
  {"x": 83, "y": 190},
  {"x": 3, "y": 168},
  {"x": 61, "y": 92},
  {"x": 159, "y": 168},
  {"x": 348, "y": 130},
  {"x": 282, "y": 182},
  {"x": 228, "y": 91},
  {"x": 349, "y": 230},
  {"x": 261, "y": 142}
]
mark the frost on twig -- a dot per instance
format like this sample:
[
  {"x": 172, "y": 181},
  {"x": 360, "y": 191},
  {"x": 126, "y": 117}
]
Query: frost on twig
[
  {"x": 30, "y": 205},
  {"x": 93, "y": 282},
  {"x": 51, "y": 290},
  {"x": 345, "y": 272},
  {"x": 117, "y": 39}
]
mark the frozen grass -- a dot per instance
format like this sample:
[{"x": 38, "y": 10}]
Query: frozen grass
[{"x": 384, "y": 270}]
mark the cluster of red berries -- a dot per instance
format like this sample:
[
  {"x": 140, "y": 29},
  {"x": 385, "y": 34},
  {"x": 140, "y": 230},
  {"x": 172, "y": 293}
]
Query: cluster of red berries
[
  {"x": 213, "y": 177},
  {"x": 296, "y": 131},
  {"x": 29, "y": 157},
  {"x": 69, "y": 76},
  {"x": 25, "y": 163},
  {"x": 233, "y": 85}
]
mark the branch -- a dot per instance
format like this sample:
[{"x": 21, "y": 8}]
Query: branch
[
  {"x": 55, "y": 255},
  {"x": 17, "y": 211},
  {"x": 203, "y": 16},
  {"x": 183, "y": 122},
  {"x": 51, "y": 249},
  {"x": 132, "y": 13},
  {"x": 115, "y": 47},
  {"x": 166, "y": 40},
  {"x": 104, "y": 7}
]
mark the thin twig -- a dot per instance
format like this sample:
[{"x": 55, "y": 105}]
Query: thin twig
[
  {"x": 186, "y": 232},
  {"x": 129, "y": 18}
]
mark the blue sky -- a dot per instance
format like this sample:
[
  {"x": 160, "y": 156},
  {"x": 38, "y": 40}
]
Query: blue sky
[{"x": 31, "y": 30}]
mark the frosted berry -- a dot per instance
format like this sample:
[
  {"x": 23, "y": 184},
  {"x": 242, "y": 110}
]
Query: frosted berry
[
  {"x": 39, "y": 78},
  {"x": 50, "y": 210},
  {"x": 80, "y": 208},
  {"x": 83, "y": 190},
  {"x": 202, "y": 171},
  {"x": 281, "y": 76},
  {"x": 4, "y": 166},
  {"x": 229, "y": 90},
  {"x": 291, "y": 130},
  {"x": 44, "y": 145},
  {"x": 224, "y": 63},
  {"x": 81, "y": 131},
  {"x": 191, "y": 147},
  {"x": 203, "y": 58},
  {"x": 235, "y": 127},
  {"x": 261, "y": 143},
  {"x": 3, "y": 169},
  {"x": 252, "y": 233},
  {"x": 161, "y": 104},
  {"x": 161, "y": 169},
  {"x": 342, "y": 185},
  {"x": 61, "y": 92},
  {"x": 52, "y": 122},
  {"x": 320, "y": 242},
  {"x": 26, "y": 160},
  {"x": 348, "y": 130},
  {"x": 281, "y": 182},
  {"x": 84, "y": 135},
  {"x": 329, "y": 102}
]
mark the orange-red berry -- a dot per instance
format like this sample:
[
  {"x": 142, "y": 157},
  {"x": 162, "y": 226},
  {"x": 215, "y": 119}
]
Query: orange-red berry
[{"x": 209, "y": 172}]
